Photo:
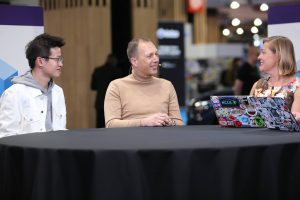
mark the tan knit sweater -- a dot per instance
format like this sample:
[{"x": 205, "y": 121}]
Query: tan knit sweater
[{"x": 128, "y": 100}]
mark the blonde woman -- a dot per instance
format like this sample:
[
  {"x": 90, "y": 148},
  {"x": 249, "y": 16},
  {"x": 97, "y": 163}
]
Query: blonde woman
[{"x": 277, "y": 61}]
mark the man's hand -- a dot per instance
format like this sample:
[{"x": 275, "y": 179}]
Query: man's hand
[{"x": 158, "y": 119}]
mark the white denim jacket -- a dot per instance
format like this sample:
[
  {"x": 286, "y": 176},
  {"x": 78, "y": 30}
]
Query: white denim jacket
[{"x": 23, "y": 110}]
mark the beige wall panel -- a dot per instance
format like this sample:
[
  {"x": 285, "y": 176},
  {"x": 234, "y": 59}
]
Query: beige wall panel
[
  {"x": 200, "y": 27},
  {"x": 179, "y": 10},
  {"x": 172, "y": 10},
  {"x": 213, "y": 31},
  {"x": 166, "y": 10},
  {"x": 87, "y": 33},
  {"x": 144, "y": 19}
]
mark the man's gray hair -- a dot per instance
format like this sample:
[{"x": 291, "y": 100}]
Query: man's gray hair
[{"x": 133, "y": 45}]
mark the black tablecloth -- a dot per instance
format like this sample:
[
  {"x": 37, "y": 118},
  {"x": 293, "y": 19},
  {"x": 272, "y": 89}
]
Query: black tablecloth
[{"x": 163, "y": 163}]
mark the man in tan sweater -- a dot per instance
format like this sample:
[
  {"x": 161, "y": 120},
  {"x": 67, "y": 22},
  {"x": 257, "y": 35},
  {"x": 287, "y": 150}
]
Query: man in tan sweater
[{"x": 141, "y": 99}]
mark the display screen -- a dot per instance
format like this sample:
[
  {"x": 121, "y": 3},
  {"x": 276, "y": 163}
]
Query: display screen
[{"x": 229, "y": 102}]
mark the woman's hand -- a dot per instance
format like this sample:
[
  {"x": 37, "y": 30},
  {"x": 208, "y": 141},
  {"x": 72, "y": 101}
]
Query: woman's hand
[{"x": 297, "y": 116}]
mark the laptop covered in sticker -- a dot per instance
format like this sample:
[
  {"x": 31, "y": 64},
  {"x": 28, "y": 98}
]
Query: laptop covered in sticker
[{"x": 250, "y": 111}]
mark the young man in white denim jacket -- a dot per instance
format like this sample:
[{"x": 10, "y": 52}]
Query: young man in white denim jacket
[{"x": 34, "y": 103}]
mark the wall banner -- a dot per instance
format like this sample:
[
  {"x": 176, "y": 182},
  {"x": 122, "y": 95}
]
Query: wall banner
[
  {"x": 285, "y": 21},
  {"x": 18, "y": 26},
  {"x": 171, "y": 52}
]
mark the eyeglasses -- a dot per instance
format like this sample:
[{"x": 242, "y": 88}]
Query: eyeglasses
[{"x": 58, "y": 60}]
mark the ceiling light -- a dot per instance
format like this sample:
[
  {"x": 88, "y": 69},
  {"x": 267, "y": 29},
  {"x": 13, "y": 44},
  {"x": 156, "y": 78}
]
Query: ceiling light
[
  {"x": 256, "y": 37},
  {"x": 235, "y": 22},
  {"x": 226, "y": 32},
  {"x": 264, "y": 7},
  {"x": 239, "y": 31},
  {"x": 254, "y": 29},
  {"x": 257, "y": 22},
  {"x": 256, "y": 43},
  {"x": 234, "y": 5}
]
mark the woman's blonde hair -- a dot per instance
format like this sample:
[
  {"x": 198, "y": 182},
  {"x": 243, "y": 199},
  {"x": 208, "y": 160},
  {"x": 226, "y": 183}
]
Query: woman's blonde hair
[{"x": 284, "y": 49}]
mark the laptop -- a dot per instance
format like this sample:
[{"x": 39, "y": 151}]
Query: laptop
[{"x": 250, "y": 111}]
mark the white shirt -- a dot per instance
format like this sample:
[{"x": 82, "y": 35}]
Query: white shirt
[{"x": 23, "y": 110}]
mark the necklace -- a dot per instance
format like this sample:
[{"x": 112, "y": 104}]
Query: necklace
[{"x": 273, "y": 91}]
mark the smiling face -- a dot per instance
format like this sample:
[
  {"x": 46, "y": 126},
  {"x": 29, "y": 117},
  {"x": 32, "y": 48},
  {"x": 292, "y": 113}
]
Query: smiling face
[
  {"x": 52, "y": 67},
  {"x": 278, "y": 51},
  {"x": 145, "y": 62},
  {"x": 268, "y": 59}
]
